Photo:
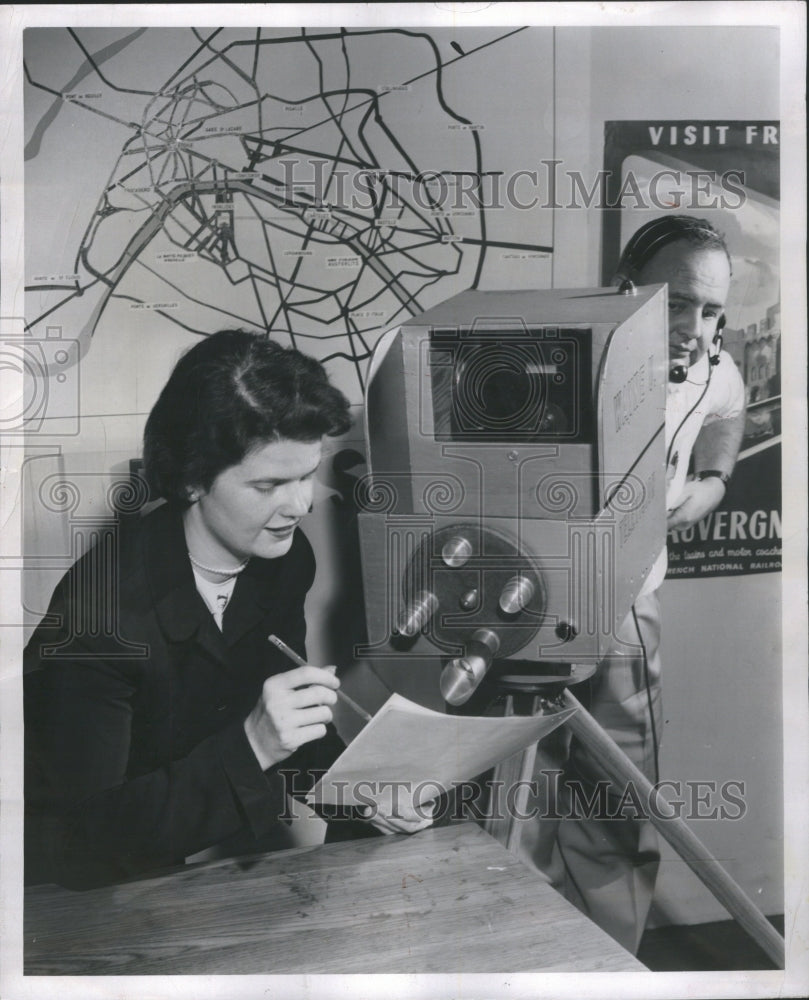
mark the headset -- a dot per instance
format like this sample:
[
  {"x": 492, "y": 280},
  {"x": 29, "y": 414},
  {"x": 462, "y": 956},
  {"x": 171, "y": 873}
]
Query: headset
[{"x": 643, "y": 246}]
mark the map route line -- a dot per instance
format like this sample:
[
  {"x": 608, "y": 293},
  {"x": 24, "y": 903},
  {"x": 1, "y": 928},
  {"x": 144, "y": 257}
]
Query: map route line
[
  {"x": 32, "y": 147},
  {"x": 509, "y": 245},
  {"x": 282, "y": 303},
  {"x": 96, "y": 67},
  {"x": 325, "y": 94},
  {"x": 256, "y": 296},
  {"x": 155, "y": 222},
  {"x": 203, "y": 44},
  {"x": 137, "y": 129},
  {"x": 256, "y": 52},
  {"x": 318, "y": 221},
  {"x": 120, "y": 296},
  {"x": 225, "y": 312},
  {"x": 220, "y": 55},
  {"x": 378, "y": 31}
]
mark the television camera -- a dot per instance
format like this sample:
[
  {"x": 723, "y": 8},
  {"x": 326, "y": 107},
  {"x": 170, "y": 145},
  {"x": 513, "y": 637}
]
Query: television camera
[
  {"x": 515, "y": 501},
  {"x": 515, "y": 505}
]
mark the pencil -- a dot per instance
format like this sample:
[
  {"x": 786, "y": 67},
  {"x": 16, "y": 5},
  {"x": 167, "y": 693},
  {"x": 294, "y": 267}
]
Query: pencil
[{"x": 300, "y": 662}]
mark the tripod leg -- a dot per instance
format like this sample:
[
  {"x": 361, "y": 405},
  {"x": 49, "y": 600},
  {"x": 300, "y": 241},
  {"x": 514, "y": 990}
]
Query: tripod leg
[
  {"x": 620, "y": 770},
  {"x": 529, "y": 756}
]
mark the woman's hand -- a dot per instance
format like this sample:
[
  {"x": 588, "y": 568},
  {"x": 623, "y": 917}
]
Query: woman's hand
[
  {"x": 293, "y": 709},
  {"x": 393, "y": 811}
]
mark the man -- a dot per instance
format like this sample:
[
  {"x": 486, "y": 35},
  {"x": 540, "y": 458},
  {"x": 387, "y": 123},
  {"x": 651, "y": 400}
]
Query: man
[{"x": 608, "y": 867}]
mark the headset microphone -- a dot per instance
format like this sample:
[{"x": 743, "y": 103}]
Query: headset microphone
[
  {"x": 679, "y": 373},
  {"x": 714, "y": 359}
]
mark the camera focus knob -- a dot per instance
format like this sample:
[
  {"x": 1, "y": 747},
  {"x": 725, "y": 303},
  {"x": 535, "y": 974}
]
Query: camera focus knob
[
  {"x": 456, "y": 551},
  {"x": 417, "y": 614},
  {"x": 461, "y": 676},
  {"x": 516, "y": 595}
]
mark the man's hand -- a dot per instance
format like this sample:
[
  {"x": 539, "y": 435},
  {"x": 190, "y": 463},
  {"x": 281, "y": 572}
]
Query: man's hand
[
  {"x": 699, "y": 497},
  {"x": 293, "y": 709}
]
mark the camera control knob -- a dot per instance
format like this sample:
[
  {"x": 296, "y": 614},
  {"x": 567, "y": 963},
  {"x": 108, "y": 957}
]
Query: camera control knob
[
  {"x": 566, "y": 631},
  {"x": 469, "y": 600},
  {"x": 461, "y": 676},
  {"x": 456, "y": 551},
  {"x": 417, "y": 614},
  {"x": 516, "y": 595}
]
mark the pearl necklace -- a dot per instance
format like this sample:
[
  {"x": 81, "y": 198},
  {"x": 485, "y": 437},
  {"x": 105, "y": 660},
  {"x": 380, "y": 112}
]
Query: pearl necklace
[{"x": 219, "y": 572}]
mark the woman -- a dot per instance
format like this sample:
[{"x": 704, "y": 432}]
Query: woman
[{"x": 179, "y": 726}]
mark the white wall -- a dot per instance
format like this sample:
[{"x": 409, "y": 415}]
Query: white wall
[{"x": 722, "y": 691}]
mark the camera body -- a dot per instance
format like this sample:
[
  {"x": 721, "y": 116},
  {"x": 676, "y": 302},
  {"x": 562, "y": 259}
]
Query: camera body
[{"x": 515, "y": 501}]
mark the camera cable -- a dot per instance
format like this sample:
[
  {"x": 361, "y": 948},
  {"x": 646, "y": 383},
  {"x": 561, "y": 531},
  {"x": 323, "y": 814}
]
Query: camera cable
[{"x": 647, "y": 681}]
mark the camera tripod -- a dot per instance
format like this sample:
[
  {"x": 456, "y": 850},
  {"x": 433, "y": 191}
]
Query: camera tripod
[{"x": 548, "y": 695}]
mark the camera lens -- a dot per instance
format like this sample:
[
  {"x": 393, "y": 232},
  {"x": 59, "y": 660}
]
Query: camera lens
[{"x": 498, "y": 388}]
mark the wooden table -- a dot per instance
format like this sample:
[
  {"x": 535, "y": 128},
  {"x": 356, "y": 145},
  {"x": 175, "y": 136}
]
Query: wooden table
[{"x": 444, "y": 900}]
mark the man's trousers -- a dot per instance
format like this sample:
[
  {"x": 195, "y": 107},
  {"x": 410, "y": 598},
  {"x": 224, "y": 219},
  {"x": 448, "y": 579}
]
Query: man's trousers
[{"x": 606, "y": 867}]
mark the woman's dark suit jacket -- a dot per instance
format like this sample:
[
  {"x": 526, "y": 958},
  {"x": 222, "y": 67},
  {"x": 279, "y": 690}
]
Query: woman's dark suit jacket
[{"x": 135, "y": 702}]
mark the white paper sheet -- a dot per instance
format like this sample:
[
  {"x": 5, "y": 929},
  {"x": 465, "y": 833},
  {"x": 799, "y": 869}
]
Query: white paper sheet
[{"x": 421, "y": 749}]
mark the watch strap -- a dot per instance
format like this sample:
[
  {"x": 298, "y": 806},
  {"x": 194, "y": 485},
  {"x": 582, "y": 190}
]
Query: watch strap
[{"x": 714, "y": 474}]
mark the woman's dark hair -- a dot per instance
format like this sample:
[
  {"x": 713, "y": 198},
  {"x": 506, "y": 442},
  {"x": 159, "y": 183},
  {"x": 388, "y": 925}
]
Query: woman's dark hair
[
  {"x": 230, "y": 392},
  {"x": 651, "y": 238}
]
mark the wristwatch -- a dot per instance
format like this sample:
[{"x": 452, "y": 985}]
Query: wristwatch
[{"x": 714, "y": 474}]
